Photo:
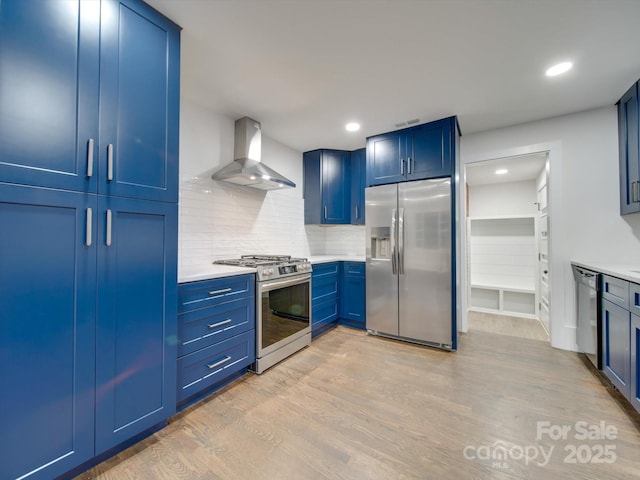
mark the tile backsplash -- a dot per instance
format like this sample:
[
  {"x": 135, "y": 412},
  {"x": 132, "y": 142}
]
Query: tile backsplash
[{"x": 219, "y": 220}]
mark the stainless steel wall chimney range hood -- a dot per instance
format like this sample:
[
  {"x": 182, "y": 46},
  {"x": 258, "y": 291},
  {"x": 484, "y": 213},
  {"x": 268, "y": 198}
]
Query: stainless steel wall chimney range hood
[{"x": 246, "y": 168}]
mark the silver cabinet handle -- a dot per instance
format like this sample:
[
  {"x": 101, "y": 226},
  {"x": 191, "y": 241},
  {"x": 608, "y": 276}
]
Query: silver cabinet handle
[
  {"x": 357, "y": 217},
  {"x": 90, "y": 158},
  {"x": 109, "y": 221},
  {"x": 325, "y": 212},
  {"x": 637, "y": 191},
  {"x": 218, "y": 324},
  {"x": 219, "y": 292},
  {"x": 401, "y": 241},
  {"x": 88, "y": 239},
  {"x": 211, "y": 366},
  {"x": 632, "y": 187},
  {"x": 110, "y": 162},
  {"x": 402, "y": 166},
  {"x": 394, "y": 266}
]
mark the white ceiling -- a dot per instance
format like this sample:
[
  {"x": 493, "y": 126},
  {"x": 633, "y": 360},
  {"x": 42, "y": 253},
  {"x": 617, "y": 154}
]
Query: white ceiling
[
  {"x": 521, "y": 168},
  {"x": 304, "y": 68}
]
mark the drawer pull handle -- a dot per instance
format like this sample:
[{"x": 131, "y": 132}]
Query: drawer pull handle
[
  {"x": 211, "y": 366},
  {"x": 219, "y": 292},
  {"x": 219, "y": 324}
]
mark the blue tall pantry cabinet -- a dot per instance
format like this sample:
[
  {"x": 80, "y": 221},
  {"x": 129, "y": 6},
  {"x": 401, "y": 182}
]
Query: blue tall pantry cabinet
[{"x": 88, "y": 238}]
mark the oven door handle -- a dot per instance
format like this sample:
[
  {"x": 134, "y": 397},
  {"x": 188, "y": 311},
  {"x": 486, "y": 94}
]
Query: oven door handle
[{"x": 272, "y": 285}]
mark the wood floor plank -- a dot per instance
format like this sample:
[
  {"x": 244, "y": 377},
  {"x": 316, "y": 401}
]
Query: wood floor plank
[{"x": 354, "y": 406}]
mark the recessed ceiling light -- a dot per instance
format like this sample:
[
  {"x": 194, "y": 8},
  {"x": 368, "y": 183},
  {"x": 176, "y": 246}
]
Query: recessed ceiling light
[
  {"x": 558, "y": 69},
  {"x": 501, "y": 171},
  {"x": 352, "y": 127}
]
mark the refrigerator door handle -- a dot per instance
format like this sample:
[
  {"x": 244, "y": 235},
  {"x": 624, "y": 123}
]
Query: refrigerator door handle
[
  {"x": 401, "y": 241},
  {"x": 394, "y": 266}
]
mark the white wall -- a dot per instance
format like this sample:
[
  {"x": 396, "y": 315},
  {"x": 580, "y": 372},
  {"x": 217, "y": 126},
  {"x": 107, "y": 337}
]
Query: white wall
[
  {"x": 501, "y": 199},
  {"x": 584, "y": 219},
  {"x": 219, "y": 220}
]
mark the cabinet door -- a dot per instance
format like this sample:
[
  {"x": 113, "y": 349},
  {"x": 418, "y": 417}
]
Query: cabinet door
[
  {"x": 634, "y": 393},
  {"x": 384, "y": 163},
  {"x": 628, "y": 138},
  {"x": 336, "y": 187},
  {"x": 139, "y": 102},
  {"x": 429, "y": 151},
  {"x": 47, "y": 331},
  {"x": 352, "y": 296},
  {"x": 615, "y": 343},
  {"x": 358, "y": 183},
  {"x": 49, "y": 93},
  {"x": 137, "y": 308}
]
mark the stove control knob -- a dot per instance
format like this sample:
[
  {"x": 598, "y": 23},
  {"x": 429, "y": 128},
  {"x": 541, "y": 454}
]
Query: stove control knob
[{"x": 267, "y": 272}]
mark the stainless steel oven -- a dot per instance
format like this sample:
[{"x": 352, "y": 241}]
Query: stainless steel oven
[
  {"x": 283, "y": 306},
  {"x": 283, "y": 319}
]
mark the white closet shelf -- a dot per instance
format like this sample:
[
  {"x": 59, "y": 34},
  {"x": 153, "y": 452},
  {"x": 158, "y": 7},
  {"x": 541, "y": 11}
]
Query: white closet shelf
[{"x": 504, "y": 287}]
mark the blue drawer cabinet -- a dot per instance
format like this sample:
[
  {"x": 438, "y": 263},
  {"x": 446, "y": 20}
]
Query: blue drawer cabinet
[
  {"x": 214, "y": 364},
  {"x": 216, "y": 334},
  {"x": 415, "y": 153},
  {"x": 352, "y": 296},
  {"x": 621, "y": 336},
  {"x": 325, "y": 291}
]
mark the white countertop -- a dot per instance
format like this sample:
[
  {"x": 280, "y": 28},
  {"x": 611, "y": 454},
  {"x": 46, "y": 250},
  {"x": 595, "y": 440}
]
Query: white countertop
[
  {"x": 630, "y": 273},
  {"x": 193, "y": 273},
  {"x": 336, "y": 258}
]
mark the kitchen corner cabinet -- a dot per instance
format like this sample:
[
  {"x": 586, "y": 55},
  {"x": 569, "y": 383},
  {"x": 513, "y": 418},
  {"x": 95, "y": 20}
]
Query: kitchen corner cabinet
[
  {"x": 327, "y": 187},
  {"x": 628, "y": 138},
  {"x": 89, "y": 277},
  {"x": 358, "y": 184},
  {"x": 352, "y": 295},
  {"x": 415, "y": 153},
  {"x": 216, "y": 334},
  {"x": 325, "y": 297}
]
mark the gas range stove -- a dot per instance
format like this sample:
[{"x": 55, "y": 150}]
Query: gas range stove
[{"x": 270, "y": 267}]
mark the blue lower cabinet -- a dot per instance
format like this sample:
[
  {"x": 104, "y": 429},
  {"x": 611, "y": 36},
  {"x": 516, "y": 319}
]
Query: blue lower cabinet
[
  {"x": 616, "y": 363},
  {"x": 213, "y": 365},
  {"x": 216, "y": 334},
  {"x": 634, "y": 390},
  {"x": 325, "y": 297},
  {"x": 136, "y": 317},
  {"x": 47, "y": 331},
  {"x": 352, "y": 295}
]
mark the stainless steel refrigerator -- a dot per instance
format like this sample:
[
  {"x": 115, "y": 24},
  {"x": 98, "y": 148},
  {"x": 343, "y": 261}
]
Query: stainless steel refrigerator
[{"x": 410, "y": 262}]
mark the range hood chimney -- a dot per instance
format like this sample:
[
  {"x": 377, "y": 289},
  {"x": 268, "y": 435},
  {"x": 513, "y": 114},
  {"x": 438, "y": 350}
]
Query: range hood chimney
[{"x": 246, "y": 168}]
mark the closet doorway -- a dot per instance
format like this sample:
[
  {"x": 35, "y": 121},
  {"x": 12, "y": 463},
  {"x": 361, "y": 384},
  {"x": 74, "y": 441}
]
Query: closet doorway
[{"x": 507, "y": 246}]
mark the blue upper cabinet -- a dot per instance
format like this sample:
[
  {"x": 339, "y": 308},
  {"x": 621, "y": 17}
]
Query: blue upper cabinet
[
  {"x": 628, "y": 138},
  {"x": 136, "y": 317},
  {"x": 49, "y": 77},
  {"x": 358, "y": 184},
  {"x": 416, "y": 153},
  {"x": 47, "y": 330},
  {"x": 327, "y": 187},
  {"x": 139, "y": 102}
]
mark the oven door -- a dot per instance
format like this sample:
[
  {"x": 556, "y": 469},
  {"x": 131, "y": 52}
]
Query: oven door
[{"x": 283, "y": 312}]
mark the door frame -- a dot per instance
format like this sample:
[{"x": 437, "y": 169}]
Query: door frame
[{"x": 556, "y": 245}]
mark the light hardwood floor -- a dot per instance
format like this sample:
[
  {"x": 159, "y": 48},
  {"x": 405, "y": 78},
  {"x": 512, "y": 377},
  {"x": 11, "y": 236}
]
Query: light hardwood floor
[
  {"x": 507, "y": 325},
  {"x": 353, "y": 406}
]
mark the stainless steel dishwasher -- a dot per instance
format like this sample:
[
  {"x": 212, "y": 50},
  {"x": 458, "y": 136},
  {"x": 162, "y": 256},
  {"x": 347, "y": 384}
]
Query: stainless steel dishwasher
[{"x": 589, "y": 325}]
